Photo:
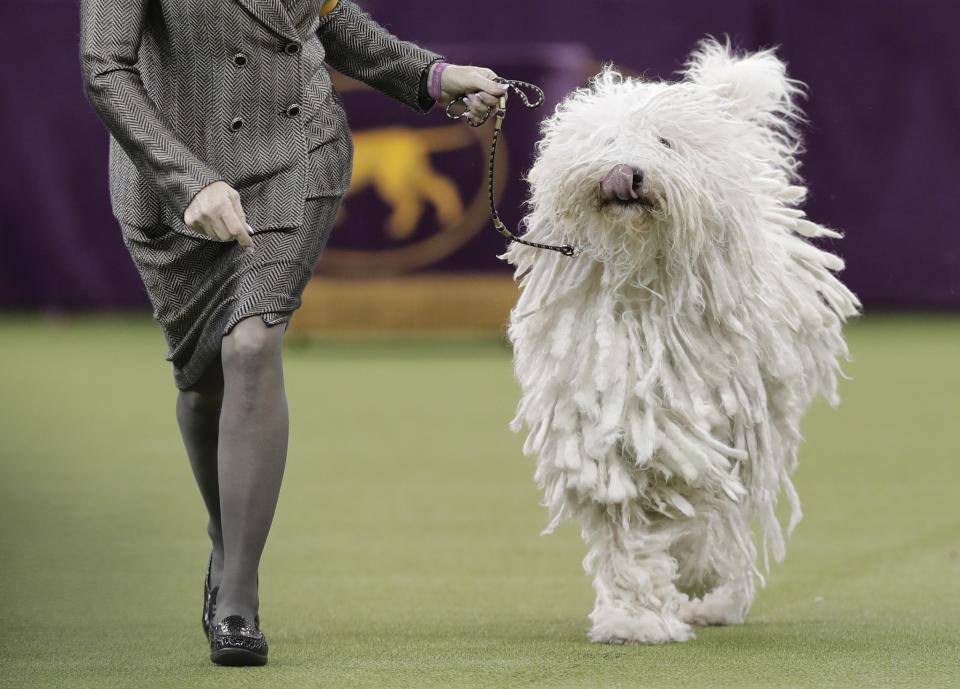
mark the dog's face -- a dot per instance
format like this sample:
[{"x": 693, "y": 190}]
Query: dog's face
[{"x": 697, "y": 150}]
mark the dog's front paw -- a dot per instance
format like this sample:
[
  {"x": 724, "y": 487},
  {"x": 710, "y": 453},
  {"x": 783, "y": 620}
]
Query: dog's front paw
[
  {"x": 721, "y": 607},
  {"x": 646, "y": 627}
]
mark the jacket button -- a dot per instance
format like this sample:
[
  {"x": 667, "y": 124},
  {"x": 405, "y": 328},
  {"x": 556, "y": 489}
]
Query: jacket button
[
  {"x": 293, "y": 110},
  {"x": 236, "y": 124},
  {"x": 239, "y": 59},
  {"x": 292, "y": 48}
]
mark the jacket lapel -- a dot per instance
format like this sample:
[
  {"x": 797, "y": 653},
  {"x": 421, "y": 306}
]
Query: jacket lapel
[{"x": 273, "y": 15}]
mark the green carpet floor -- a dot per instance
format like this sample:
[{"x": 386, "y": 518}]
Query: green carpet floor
[{"x": 406, "y": 552}]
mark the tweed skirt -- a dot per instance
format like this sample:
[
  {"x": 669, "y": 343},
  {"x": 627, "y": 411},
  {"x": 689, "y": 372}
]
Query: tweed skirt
[{"x": 200, "y": 289}]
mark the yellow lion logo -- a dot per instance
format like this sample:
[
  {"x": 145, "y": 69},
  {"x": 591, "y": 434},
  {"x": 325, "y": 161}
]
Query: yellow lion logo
[{"x": 395, "y": 161}]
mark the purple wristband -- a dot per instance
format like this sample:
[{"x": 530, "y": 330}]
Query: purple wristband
[{"x": 435, "y": 88}]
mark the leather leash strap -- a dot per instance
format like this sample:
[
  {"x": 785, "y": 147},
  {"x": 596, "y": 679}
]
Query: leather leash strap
[{"x": 501, "y": 113}]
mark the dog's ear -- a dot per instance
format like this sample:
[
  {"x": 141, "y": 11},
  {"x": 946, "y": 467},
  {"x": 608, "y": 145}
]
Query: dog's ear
[{"x": 755, "y": 83}]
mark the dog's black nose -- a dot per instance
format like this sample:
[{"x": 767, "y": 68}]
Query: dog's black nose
[{"x": 637, "y": 179}]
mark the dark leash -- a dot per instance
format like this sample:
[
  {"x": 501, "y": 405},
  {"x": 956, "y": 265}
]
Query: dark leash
[{"x": 501, "y": 114}]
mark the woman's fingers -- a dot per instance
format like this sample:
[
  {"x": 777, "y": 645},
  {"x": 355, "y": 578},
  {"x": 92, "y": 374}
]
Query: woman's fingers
[
  {"x": 237, "y": 228},
  {"x": 477, "y": 110},
  {"x": 483, "y": 79},
  {"x": 217, "y": 229},
  {"x": 477, "y": 105},
  {"x": 487, "y": 99},
  {"x": 488, "y": 86},
  {"x": 207, "y": 224},
  {"x": 196, "y": 218},
  {"x": 245, "y": 233},
  {"x": 236, "y": 222}
]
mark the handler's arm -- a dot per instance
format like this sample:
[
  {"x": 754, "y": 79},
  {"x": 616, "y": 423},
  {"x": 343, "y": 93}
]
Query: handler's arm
[
  {"x": 360, "y": 48},
  {"x": 110, "y": 34}
]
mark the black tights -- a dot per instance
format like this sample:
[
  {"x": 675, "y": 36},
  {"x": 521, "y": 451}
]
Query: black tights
[{"x": 234, "y": 425}]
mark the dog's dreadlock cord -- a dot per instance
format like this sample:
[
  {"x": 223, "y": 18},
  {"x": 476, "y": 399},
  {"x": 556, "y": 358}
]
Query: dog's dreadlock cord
[{"x": 501, "y": 114}]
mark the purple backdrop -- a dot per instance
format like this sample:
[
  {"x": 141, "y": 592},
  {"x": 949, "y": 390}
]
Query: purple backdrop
[{"x": 883, "y": 144}]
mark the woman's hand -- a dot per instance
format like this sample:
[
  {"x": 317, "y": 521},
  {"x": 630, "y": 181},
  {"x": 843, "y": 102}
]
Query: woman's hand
[
  {"x": 476, "y": 83},
  {"x": 216, "y": 212}
]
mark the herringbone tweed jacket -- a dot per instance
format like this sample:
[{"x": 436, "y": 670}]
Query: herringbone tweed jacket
[{"x": 195, "y": 91}]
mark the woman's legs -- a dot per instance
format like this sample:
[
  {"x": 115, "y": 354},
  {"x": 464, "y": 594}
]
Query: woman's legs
[
  {"x": 198, "y": 415},
  {"x": 251, "y": 455},
  {"x": 234, "y": 419}
]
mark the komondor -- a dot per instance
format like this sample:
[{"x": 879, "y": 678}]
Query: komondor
[{"x": 665, "y": 369}]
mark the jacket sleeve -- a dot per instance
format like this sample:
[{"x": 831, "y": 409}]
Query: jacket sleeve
[
  {"x": 110, "y": 35},
  {"x": 360, "y": 48}
]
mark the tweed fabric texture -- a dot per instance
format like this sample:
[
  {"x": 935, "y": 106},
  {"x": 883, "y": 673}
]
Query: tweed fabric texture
[
  {"x": 201, "y": 289},
  {"x": 195, "y": 92}
]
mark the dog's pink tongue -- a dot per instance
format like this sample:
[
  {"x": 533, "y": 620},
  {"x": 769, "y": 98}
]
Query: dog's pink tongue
[{"x": 618, "y": 184}]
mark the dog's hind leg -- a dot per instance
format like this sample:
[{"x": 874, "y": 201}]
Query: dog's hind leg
[
  {"x": 633, "y": 576},
  {"x": 716, "y": 558}
]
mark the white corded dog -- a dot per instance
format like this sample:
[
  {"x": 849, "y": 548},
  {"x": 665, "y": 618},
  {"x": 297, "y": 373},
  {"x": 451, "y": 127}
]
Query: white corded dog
[{"x": 666, "y": 368}]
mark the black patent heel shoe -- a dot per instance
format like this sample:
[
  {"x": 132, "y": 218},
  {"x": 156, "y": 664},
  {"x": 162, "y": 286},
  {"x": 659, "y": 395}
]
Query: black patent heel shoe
[
  {"x": 209, "y": 601},
  {"x": 234, "y": 641}
]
